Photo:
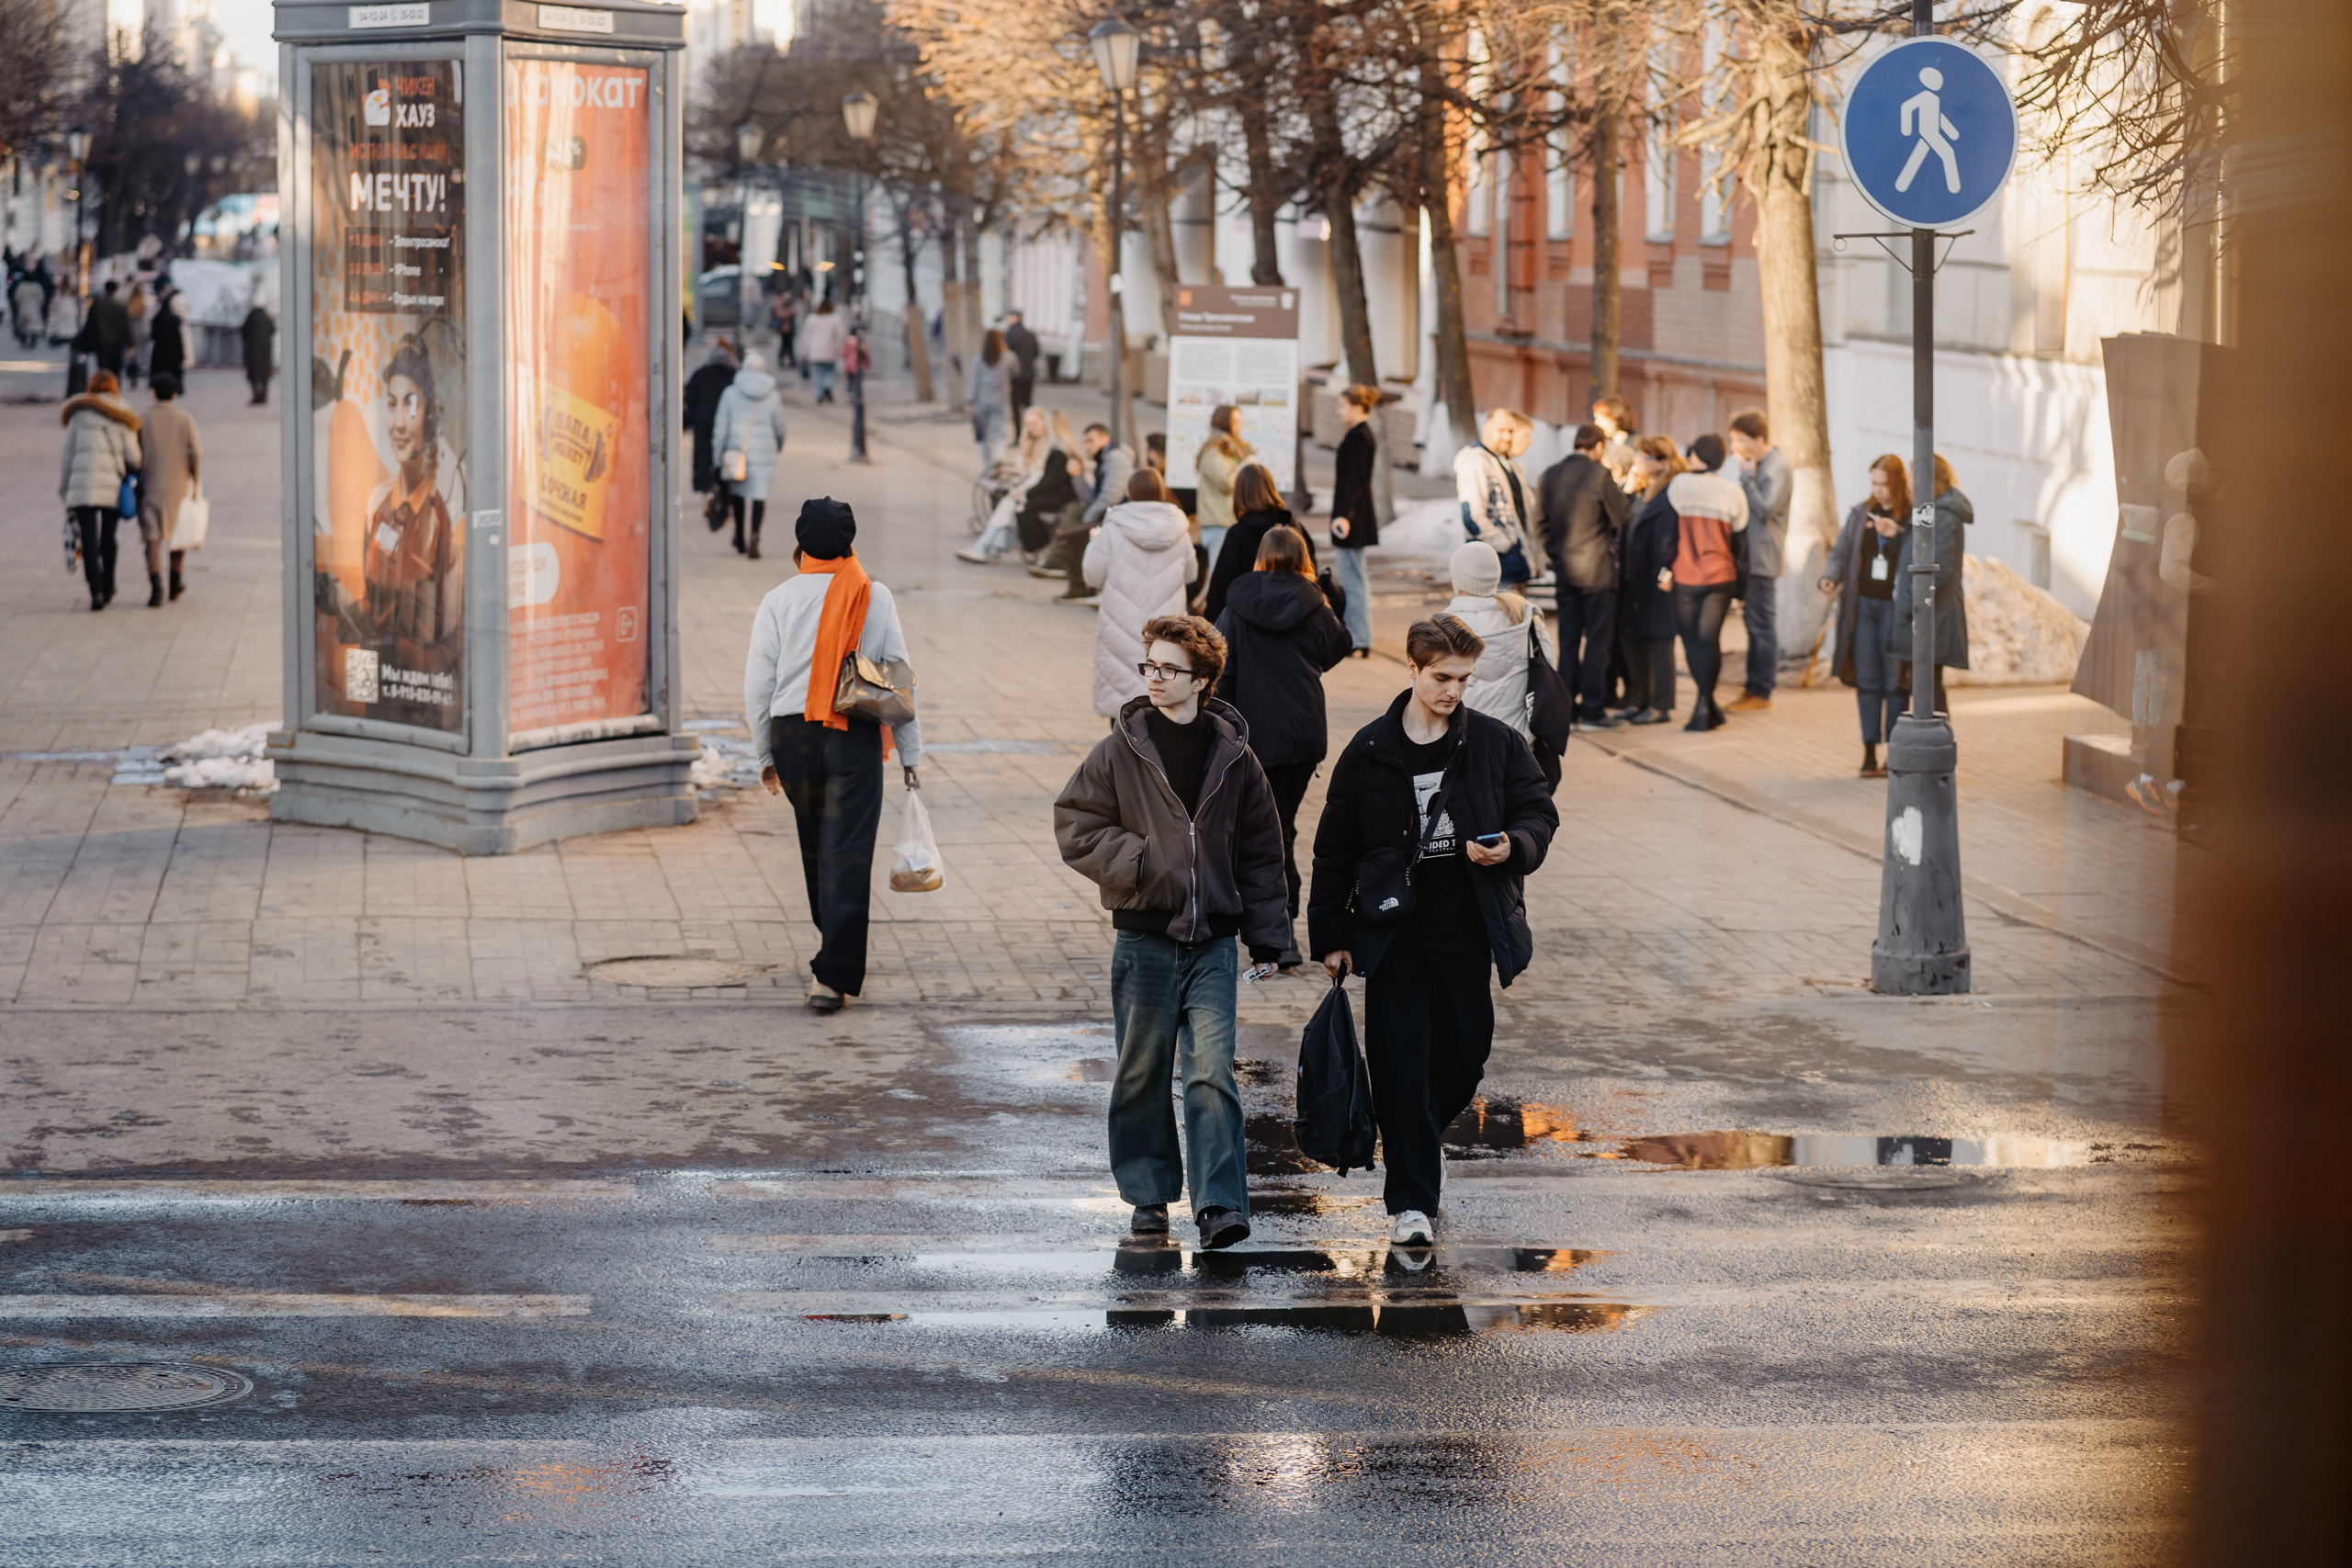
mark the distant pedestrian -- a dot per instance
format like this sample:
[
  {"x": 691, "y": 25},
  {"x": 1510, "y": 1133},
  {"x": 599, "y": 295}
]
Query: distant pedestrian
[
  {"x": 1504, "y": 621},
  {"x": 259, "y": 335},
  {"x": 1024, "y": 347},
  {"x": 703, "y": 387},
  {"x": 1356, "y": 521},
  {"x": 1171, "y": 816},
  {"x": 172, "y": 465},
  {"x": 1219, "y": 462},
  {"x": 1710, "y": 510},
  {"x": 1434, "y": 815},
  {"x": 102, "y": 450},
  {"x": 1614, "y": 416},
  {"x": 1109, "y": 468},
  {"x": 990, "y": 392},
  {"x": 1645, "y": 610},
  {"x": 786, "y": 318},
  {"x": 1585, "y": 512},
  {"x": 748, "y": 433},
  {"x": 822, "y": 341},
  {"x": 28, "y": 309},
  {"x": 1139, "y": 563},
  {"x": 828, "y": 765},
  {"x": 1766, "y": 479},
  {"x": 1258, "y": 504},
  {"x": 1954, "y": 513},
  {"x": 1496, "y": 503},
  {"x": 136, "y": 306},
  {"x": 109, "y": 331},
  {"x": 1860, "y": 572},
  {"x": 1281, "y": 635},
  {"x": 167, "y": 341}
]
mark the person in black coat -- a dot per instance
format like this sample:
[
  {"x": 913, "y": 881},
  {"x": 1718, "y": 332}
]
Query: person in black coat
[
  {"x": 1646, "y": 605},
  {"x": 1440, "y": 809},
  {"x": 703, "y": 389},
  {"x": 1257, "y": 507},
  {"x": 1024, "y": 347},
  {"x": 258, "y": 336},
  {"x": 1281, "y": 635},
  {"x": 1356, "y": 521},
  {"x": 1585, "y": 512},
  {"x": 167, "y": 344}
]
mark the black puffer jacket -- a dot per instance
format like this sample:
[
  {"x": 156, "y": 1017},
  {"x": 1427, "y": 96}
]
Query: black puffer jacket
[
  {"x": 1120, "y": 824},
  {"x": 1645, "y": 609},
  {"x": 1238, "y": 557},
  {"x": 1281, "y": 636},
  {"x": 1493, "y": 785}
]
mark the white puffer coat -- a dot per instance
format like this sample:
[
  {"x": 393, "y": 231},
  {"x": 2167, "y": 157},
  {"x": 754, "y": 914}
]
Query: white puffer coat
[
  {"x": 1140, "y": 560},
  {"x": 1499, "y": 681}
]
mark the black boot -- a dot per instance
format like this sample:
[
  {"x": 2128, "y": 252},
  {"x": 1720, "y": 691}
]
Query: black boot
[
  {"x": 178, "y": 587},
  {"x": 155, "y": 589}
]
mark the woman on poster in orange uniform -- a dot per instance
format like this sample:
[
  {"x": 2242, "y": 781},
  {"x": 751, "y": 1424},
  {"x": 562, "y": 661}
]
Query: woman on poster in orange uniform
[{"x": 409, "y": 547}]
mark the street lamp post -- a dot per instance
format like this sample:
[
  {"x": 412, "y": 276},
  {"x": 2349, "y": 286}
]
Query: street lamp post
[
  {"x": 77, "y": 147},
  {"x": 193, "y": 164},
  {"x": 1115, "y": 44},
  {"x": 857, "y": 117}
]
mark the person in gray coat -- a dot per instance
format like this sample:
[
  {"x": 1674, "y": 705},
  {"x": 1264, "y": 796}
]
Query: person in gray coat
[
  {"x": 1766, "y": 478},
  {"x": 747, "y": 436},
  {"x": 1954, "y": 513},
  {"x": 101, "y": 451}
]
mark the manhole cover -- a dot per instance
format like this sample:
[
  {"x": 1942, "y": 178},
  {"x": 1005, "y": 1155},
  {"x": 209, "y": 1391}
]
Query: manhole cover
[
  {"x": 671, "y": 972},
  {"x": 100, "y": 1388}
]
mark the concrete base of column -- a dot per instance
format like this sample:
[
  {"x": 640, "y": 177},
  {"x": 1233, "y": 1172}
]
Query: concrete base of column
[
  {"x": 1922, "y": 947},
  {"x": 483, "y": 807}
]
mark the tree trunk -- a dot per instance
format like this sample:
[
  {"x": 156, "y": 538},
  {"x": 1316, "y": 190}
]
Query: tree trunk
[
  {"x": 952, "y": 292},
  {"x": 1446, "y": 260},
  {"x": 1159, "y": 239},
  {"x": 1795, "y": 395},
  {"x": 1265, "y": 201},
  {"x": 1608, "y": 243},
  {"x": 918, "y": 341}
]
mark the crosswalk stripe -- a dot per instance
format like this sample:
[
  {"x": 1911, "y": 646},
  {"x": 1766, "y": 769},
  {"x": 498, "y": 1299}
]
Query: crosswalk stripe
[{"x": 260, "y": 1304}]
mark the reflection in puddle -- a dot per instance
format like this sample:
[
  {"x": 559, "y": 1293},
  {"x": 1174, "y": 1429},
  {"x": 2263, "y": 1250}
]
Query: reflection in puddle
[
  {"x": 1093, "y": 1069},
  {"x": 1159, "y": 1259},
  {"x": 1494, "y": 1124},
  {"x": 1291, "y": 1204},
  {"x": 1419, "y": 1320},
  {"x": 1760, "y": 1151},
  {"x": 1273, "y": 1147}
]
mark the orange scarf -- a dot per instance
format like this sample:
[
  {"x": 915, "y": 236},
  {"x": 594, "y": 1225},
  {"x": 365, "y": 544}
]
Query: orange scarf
[{"x": 838, "y": 628}]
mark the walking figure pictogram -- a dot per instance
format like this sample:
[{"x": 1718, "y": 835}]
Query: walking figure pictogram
[{"x": 1935, "y": 132}]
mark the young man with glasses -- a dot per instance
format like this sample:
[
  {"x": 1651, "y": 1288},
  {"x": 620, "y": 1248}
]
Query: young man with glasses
[{"x": 1171, "y": 816}]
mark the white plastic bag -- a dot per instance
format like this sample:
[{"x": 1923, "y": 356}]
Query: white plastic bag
[
  {"x": 194, "y": 521},
  {"x": 917, "y": 869}
]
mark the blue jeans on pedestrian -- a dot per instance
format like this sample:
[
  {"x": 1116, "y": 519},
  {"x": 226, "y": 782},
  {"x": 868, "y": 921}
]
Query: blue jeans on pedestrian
[
  {"x": 1171, "y": 1010},
  {"x": 1875, "y": 670},
  {"x": 1761, "y": 610},
  {"x": 824, "y": 369},
  {"x": 989, "y": 421},
  {"x": 1347, "y": 570}
]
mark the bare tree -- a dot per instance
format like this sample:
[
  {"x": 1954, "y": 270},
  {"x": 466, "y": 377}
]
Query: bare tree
[{"x": 36, "y": 71}]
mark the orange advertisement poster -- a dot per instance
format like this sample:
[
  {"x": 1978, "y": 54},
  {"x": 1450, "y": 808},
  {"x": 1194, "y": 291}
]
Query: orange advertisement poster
[{"x": 578, "y": 287}]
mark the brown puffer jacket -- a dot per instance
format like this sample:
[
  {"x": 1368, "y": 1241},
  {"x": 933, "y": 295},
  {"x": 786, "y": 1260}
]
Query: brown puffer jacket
[{"x": 1119, "y": 824}]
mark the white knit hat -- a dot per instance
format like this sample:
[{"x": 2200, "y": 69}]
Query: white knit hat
[{"x": 1477, "y": 570}]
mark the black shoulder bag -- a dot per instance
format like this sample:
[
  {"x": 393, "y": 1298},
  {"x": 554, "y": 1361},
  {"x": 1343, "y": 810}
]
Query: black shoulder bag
[{"x": 1384, "y": 894}]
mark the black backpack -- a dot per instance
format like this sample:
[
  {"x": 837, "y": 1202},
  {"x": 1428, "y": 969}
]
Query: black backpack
[{"x": 1334, "y": 1125}]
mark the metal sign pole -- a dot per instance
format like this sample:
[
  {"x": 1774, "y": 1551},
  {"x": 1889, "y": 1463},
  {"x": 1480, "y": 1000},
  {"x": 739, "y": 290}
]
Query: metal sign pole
[{"x": 1922, "y": 946}]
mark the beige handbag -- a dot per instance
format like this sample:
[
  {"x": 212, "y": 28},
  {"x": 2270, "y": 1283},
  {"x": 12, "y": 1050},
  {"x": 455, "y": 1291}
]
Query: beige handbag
[
  {"x": 884, "y": 692},
  {"x": 735, "y": 467}
]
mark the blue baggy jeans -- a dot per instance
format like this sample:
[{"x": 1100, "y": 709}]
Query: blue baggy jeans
[
  {"x": 1172, "y": 1010},
  {"x": 1347, "y": 570}
]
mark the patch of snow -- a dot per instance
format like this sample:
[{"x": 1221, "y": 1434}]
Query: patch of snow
[
  {"x": 1432, "y": 527},
  {"x": 222, "y": 758},
  {"x": 2017, "y": 634},
  {"x": 725, "y": 762}
]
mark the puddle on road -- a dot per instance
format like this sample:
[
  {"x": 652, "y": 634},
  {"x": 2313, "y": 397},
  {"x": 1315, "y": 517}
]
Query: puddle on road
[
  {"x": 1161, "y": 1259},
  {"x": 1419, "y": 1320},
  {"x": 1765, "y": 1151}
]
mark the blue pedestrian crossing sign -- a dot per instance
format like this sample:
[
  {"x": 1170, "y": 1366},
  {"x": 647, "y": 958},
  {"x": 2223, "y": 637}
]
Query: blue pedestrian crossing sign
[{"x": 1929, "y": 133}]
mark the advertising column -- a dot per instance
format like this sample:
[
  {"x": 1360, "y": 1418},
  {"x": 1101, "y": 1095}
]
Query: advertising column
[
  {"x": 578, "y": 282},
  {"x": 388, "y": 379},
  {"x": 1236, "y": 347}
]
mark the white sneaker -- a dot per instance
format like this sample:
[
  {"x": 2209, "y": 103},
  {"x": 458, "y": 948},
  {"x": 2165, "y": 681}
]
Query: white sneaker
[
  {"x": 975, "y": 557},
  {"x": 1412, "y": 1229}
]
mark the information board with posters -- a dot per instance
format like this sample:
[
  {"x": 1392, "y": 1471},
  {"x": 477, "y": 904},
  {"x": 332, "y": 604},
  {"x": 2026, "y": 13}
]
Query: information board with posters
[
  {"x": 578, "y": 282},
  {"x": 1236, "y": 346},
  {"x": 388, "y": 376}
]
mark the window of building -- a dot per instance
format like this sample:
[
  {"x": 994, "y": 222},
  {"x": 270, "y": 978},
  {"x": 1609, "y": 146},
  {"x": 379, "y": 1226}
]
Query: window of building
[
  {"x": 2035, "y": 540},
  {"x": 1715, "y": 207},
  {"x": 1657, "y": 166},
  {"x": 1559, "y": 174}
]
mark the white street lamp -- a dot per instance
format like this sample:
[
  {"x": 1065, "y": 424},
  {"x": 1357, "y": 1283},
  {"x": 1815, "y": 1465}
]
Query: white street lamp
[
  {"x": 1115, "y": 44},
  {"x": 857, "y": 119},
  {"x": 749, "y": 139}
]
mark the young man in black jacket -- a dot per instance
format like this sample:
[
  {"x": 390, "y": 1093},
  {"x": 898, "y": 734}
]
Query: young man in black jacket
[
  {"x": 1434, "y": 815},
  {"x": 1171, "y": 816},
  {"x": 1585, "y": 509}
]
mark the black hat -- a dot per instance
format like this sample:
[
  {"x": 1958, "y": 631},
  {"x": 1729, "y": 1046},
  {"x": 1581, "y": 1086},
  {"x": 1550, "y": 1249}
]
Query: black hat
[{"x": 826, "y": 528}]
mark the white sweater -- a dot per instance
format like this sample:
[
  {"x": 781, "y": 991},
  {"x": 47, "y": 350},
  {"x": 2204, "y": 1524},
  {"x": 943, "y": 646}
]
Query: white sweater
[{"x": 784, "y": 640}]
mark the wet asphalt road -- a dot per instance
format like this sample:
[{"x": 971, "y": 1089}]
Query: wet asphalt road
[{"x": 1838, "y": 1350}]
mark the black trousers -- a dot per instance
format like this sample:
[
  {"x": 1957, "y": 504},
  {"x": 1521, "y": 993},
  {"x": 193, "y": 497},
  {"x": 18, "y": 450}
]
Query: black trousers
[
  {"x": 759, "y": 515},
  {"x": 1429, "y": 1024},
  {"x": 1698, "y": 613},
  {"x": 97, "y": 525},
  {"x": 1289, "y": 782},
  {"x": 833, "y": 780},
  {"x": 1588, "y": 622},
  {"x": 1025, "y": 392},
  {"x": 1649, "y": 673}
]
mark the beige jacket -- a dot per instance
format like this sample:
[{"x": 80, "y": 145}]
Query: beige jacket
[
  {"x": 175, "y": 459},
  {"x": 1215, "y": 507}
]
